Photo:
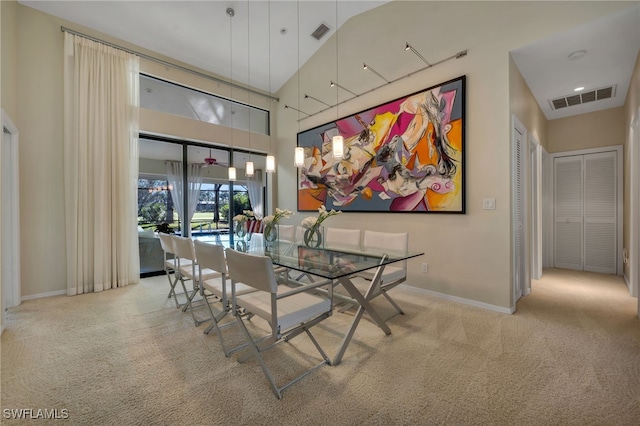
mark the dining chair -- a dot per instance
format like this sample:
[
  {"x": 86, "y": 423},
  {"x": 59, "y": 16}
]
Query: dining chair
[
  {"x": 299, "y": 234},
  {"x": 188, "y": 269},
  {"x": 170, "y": 264},
  {"x": 342, "y": 237},
  {"x": 381, "y": 242},
  {"x": 211, "y": 256},
  {"x": 286, "y": 232},
  {"x": 288, "y": 313}
]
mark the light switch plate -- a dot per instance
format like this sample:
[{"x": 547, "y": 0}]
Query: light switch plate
[{"x": 489, "y": 204}]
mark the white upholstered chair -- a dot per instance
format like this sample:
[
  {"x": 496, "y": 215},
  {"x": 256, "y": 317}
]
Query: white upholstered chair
[
  {"x": 342, "y": 237},
  {"x": 188, "y": 269},
  {"x": 211, "y": 256},
  {"x": 289, "y": 313},
  {"x": 299, "y": 234},
  {"x": 286, "y": 232},
  {"x": 392, "y": 275},
  {"x": 170, "y": 264}
]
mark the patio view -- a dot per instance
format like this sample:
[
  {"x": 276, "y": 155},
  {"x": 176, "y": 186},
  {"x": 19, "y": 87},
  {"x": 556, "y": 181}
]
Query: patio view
[{"x": 156, "y": 209}]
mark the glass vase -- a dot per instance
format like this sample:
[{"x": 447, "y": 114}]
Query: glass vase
[
  {"x": 314, "y": 237},
  {"x": 270, "y": 232},
  {"x": 240, "y": 230}
]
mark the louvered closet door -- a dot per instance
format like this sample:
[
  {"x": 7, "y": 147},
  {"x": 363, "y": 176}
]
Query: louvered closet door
[
  {"x": 568, "y": 202},
  {"x": 600, "y": 212}
]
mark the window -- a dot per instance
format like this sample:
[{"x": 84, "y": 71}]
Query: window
[
  {"x": 212, "y": 210},
  {"x": 159, "y": 95},
  {"x": 155, "y": 205}
]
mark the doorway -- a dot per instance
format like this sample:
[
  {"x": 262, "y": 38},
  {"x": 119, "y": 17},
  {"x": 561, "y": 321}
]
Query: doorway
[
  {"x": 520, "y": 241},
  {"x": 588, "y": 210},
  {"x": 535, "y": 200},
  {"x": 634, "y": 191},
  {"x": 10, "y": 230}
]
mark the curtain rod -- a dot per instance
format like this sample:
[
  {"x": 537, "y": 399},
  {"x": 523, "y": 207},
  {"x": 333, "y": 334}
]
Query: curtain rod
[{"x": 168, "y": 64}]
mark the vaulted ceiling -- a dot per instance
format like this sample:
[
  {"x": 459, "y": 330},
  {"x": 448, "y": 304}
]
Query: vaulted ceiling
[{"x": 265, "y": 42}]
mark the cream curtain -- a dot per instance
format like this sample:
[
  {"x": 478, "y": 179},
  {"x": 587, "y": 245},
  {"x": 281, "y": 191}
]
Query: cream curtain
[
  {"x": 175, "y": 179},
  {"x": 254, "y": 188},
  {"x": 101, "y": 99}
]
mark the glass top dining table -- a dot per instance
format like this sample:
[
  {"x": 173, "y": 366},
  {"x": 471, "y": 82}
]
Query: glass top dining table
[
  {"x": 329, "y": 261},
  {"x": 336, "y": 263}
]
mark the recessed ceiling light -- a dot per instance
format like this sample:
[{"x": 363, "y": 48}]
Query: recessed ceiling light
[
  {"x": 576, "y": 55},
  {"x": 577, "y": 89}
]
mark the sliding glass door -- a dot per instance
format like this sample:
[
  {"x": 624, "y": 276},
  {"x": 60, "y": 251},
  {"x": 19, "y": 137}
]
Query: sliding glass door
[{"x": 183, "y": 189}]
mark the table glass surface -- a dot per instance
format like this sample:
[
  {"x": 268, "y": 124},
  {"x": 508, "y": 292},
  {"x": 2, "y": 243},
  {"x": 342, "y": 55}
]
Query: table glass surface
[{"x": 331, "y": 262}]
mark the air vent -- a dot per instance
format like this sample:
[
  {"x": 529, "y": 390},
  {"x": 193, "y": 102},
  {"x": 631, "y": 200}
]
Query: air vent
[
  {"x": 320, "y": 31},
  {"x": 583, "y": 98},
  {"x": 588, "y": 97}
]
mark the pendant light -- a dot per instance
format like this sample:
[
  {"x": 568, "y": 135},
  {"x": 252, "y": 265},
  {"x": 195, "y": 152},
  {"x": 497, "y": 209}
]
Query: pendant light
[
  {"x": 231, "y": 12},
  {"x": 298, "y": 157},
  {"x": 270, "y": 160},
  {"x": 298, "y": 154},
  {"x": 271, "y": 164},
  {"x": 337, "y": 141},
  {"x": 248, "y": 167}
]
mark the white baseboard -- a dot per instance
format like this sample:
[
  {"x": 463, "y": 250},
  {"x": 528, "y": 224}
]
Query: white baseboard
[
  {"x": 628, "y": 283},
  {"x": 41, "y": 295},
  {"x": 470, "y": 302}
]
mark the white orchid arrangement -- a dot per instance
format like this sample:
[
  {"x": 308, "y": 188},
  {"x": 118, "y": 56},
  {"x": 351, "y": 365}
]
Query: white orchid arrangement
[
  {"x": 323, "y": 214},
  {"x": 245, "y": 216},
  {"x": 280, "y": 214}
]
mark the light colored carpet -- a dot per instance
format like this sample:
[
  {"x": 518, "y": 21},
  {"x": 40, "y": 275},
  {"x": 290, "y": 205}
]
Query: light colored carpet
[{"x": 569, "y": 356}]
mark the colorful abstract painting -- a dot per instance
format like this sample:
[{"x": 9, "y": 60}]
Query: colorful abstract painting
[{"x": 404, "y": 156}]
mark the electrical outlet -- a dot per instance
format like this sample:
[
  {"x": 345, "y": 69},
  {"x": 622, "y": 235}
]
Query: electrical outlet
[
  {"x": 425, "y": 267},
  {"x": 489, "y": 204}
]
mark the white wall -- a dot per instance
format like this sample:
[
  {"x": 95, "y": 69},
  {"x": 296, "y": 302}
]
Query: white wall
[
  {"x": 631, "y": 108},
  {"x": 593, "y": 130},
  {"x": 468, "y": 255}
]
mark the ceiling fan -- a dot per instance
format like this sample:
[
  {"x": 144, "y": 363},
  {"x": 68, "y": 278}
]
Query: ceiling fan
[{"x": 210, "y": 161}]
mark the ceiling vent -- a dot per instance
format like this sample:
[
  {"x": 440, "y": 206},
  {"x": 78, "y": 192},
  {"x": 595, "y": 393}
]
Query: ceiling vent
[
  {"x": 320, "y": 31},
  {"x": 583, "y": 98}
]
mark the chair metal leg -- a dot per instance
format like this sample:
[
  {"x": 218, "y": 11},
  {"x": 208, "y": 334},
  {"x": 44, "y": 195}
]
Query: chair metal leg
[
  {"x": 393, "y": 303},
  {"x": 256, "y": 353},
  {"x": 172, "y": 291},
  {"x": 268, "y": 342},
  {"x": 190, "y": 297}
]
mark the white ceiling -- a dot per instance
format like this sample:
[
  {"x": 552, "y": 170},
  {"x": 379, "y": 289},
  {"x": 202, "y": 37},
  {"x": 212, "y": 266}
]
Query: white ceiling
[
  {"x": 201, "y": 34},
  {"x": 611, "y": 44}
]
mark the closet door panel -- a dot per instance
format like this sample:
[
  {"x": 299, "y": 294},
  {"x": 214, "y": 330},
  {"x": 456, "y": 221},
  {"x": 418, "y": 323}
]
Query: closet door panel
[
  {"x": 600, "y": 212},
  {"x": 568, "y": 212}
]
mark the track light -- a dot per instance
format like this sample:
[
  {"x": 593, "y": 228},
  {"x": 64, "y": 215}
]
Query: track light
[
  {"x": 295, "y": 109},
  {"x": 368, "y": 67},
  {"x": 409, "y": 47},
  {"x": 333, "y": 84},
  {"x": 316, "y": 99}
]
